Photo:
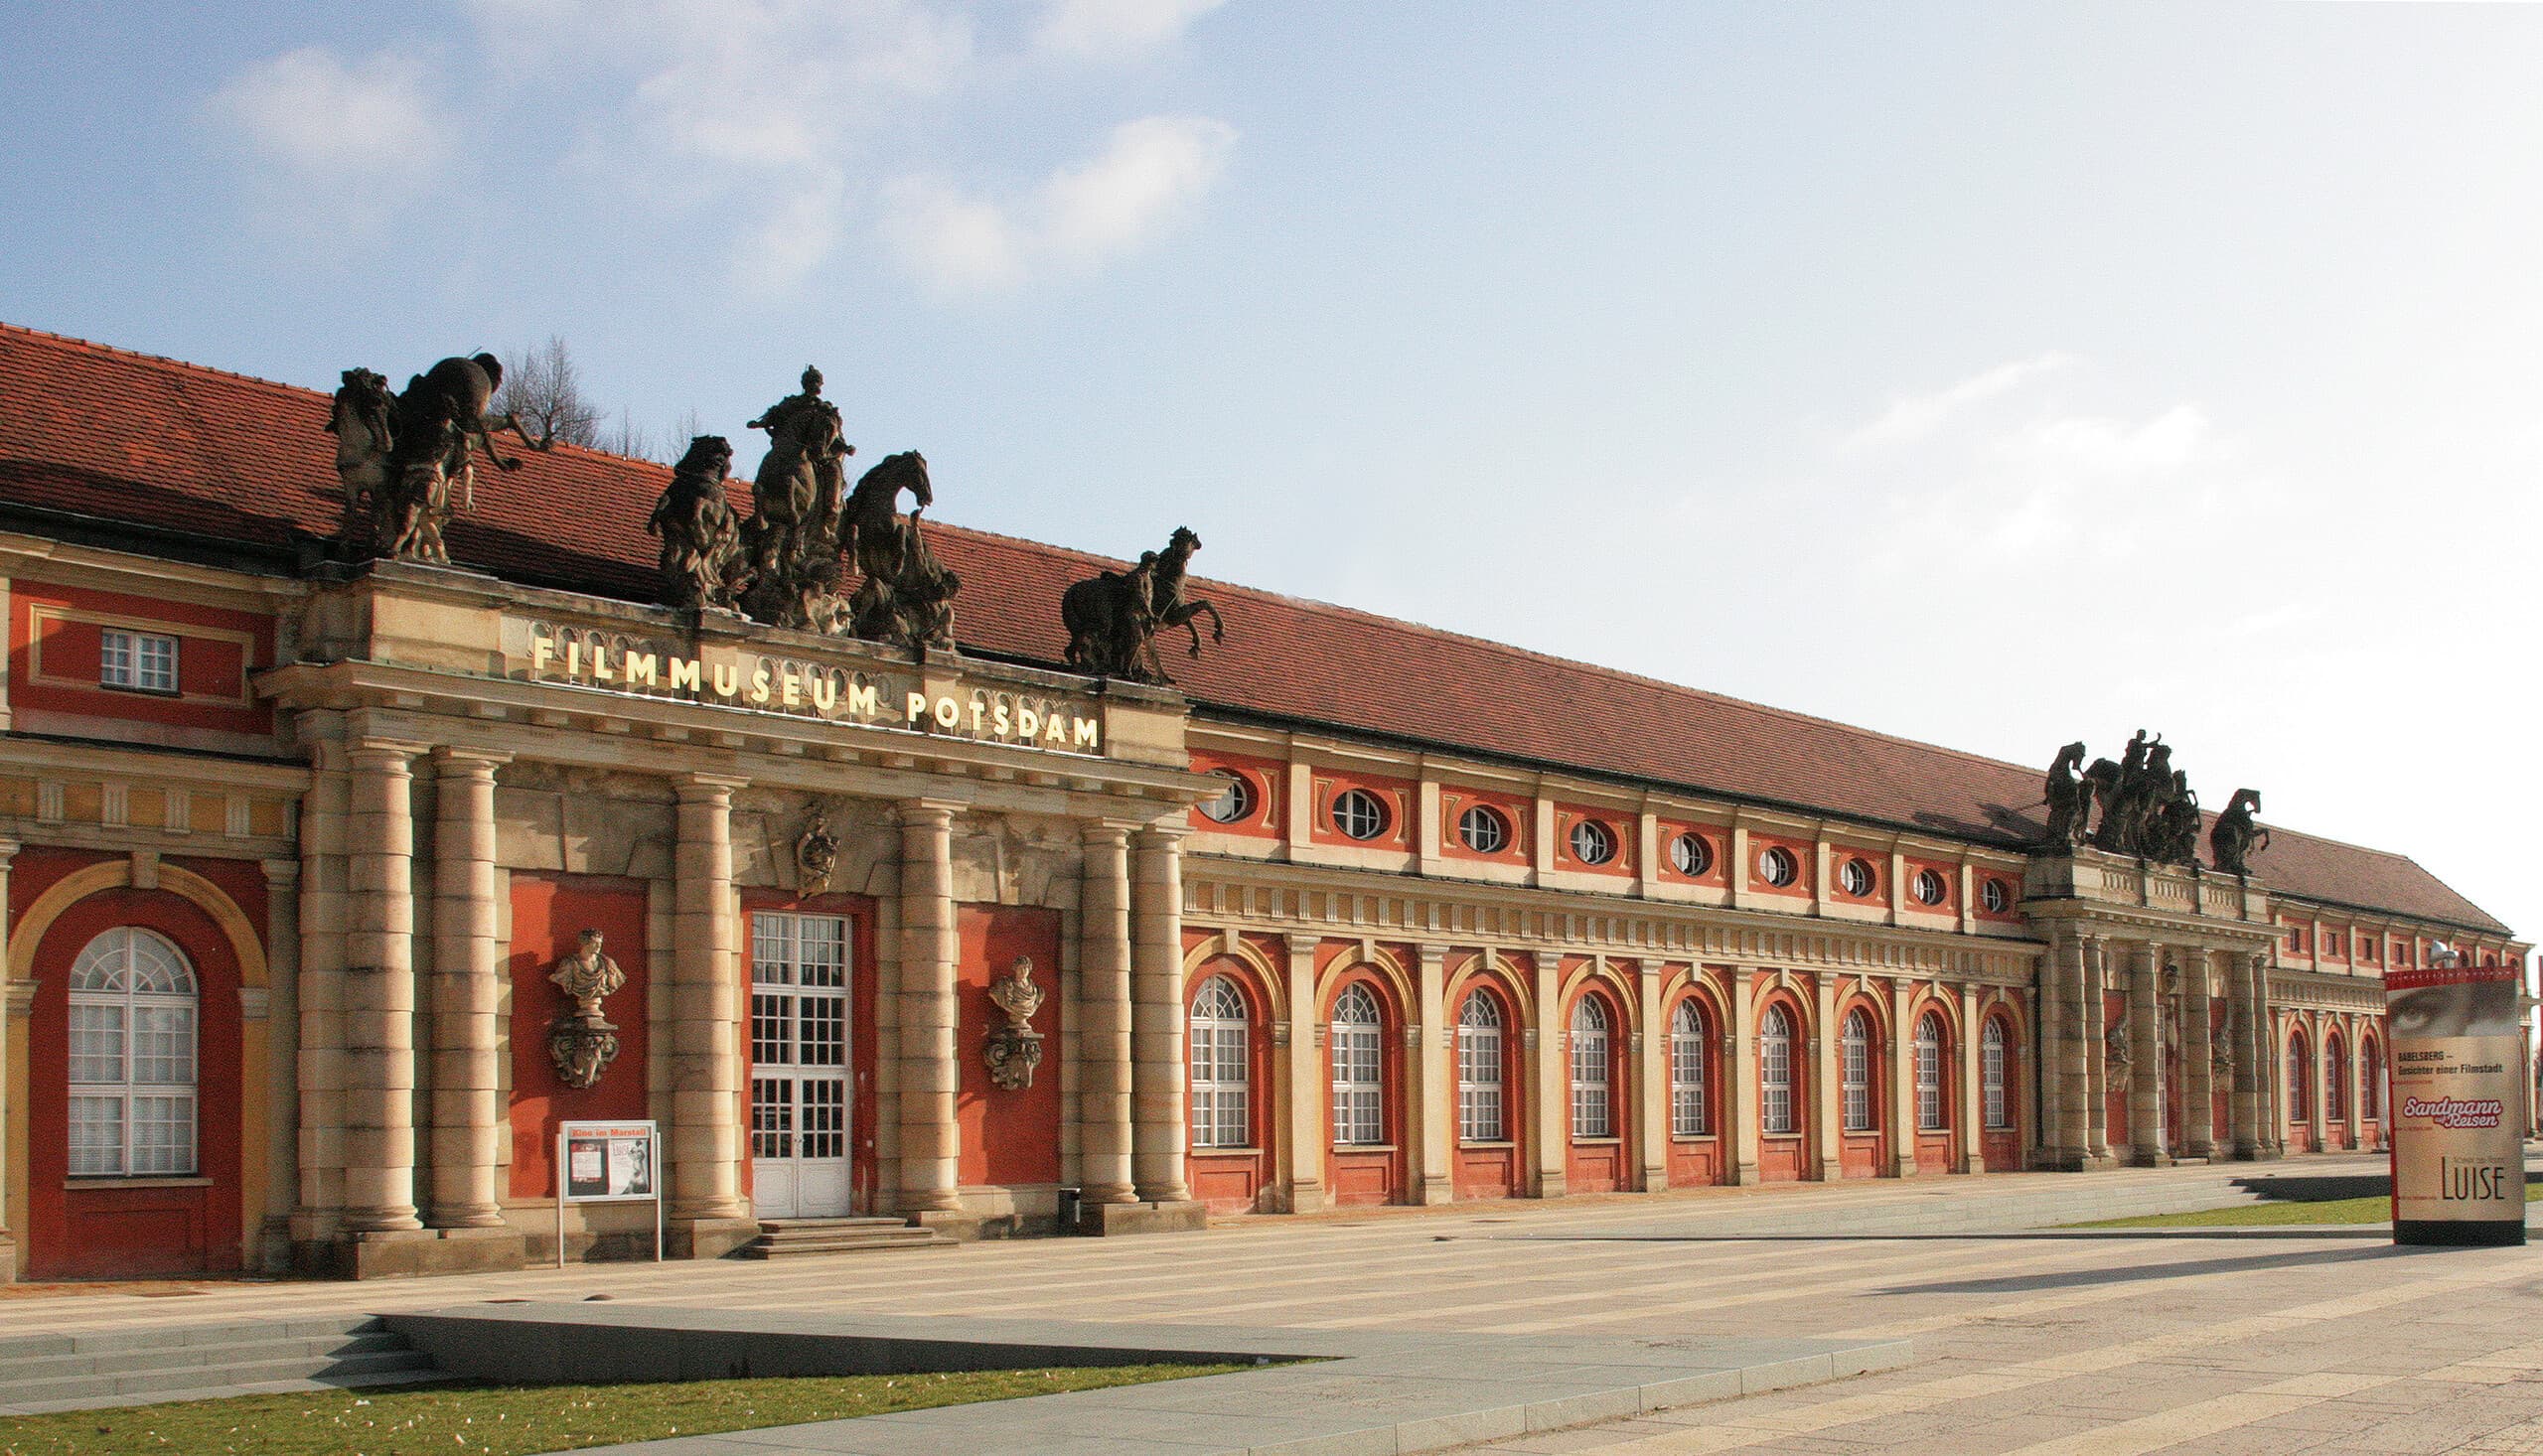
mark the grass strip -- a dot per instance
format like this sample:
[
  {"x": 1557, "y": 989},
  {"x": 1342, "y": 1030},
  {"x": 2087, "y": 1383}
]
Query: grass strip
[
  {"x": 517, "y": 1421},
  {"x": 2374, "y": 1207}
]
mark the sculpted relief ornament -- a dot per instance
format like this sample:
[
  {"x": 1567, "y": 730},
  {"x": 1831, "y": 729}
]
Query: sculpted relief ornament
[
  {"x": 582, "y": 1042},
  {"x": 1015, "y": 1049}
]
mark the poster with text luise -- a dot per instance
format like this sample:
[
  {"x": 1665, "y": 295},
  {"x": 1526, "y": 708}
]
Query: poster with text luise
[{"x": 2457, "y": 1103}]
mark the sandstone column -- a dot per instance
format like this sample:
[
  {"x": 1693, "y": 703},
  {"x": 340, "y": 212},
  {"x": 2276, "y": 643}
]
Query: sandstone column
[
  {"x": 1740, "y": 1112},
  {"x": 1903, "y": 1079},
  {"x": 1307, "y": 1082},
  {"x": 467, "y": 1100},
  {"x": 1826, "y": 1081},
  {"x": 282, "y": 1054},
  {"x": 2199, "y": 1060},
  {"x": 1160, "y": 1128},
  {"x": 706, "y": 1104},
  {"x": 931, "y": 1140},
  {"x": 2242, "y": 1109},
  {"x": 2096, "y": 1041},
  {"x": 1654, "y": 1069},
  {"x": 1104, "y": 1011},
  {"x": 320, "y": 1060},
  {"x": 379, "y": 993},
  {"x": 2146, "y": 1055},
  {"x": 1435, "y": 1079},
  {"x": 8, "y": 1241},
  {"x": 1970, "y": 1121},
  {"x": 1552, "y": 1064},
  {"x": 2066, "y": 1083}
]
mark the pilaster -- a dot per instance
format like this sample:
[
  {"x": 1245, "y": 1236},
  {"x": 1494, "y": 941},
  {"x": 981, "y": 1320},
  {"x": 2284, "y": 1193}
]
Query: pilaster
[
  {"x": 1435, "y": 1080},
  {"x": 1304, "y": 1128},
  {"x": 1827, "y": 1082},
  {"x": 1652, "y": 1072}
]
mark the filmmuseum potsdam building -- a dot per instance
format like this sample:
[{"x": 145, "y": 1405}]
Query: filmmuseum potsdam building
[{"x": 367, "y": 809}]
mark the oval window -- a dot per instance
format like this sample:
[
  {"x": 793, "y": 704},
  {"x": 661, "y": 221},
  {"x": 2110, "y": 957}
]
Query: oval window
[
  {"x": 1778, "y": 867},
  {"x": 1359, "y": 815},
  {"x": 1592, "y": 842},
  {"x": 1692, "y": 853},
  {"x": 1483, "y": 830},
  {"x": 1930, "y": 888},
  {"x": 1234, "y": 804},
  {"x": 1855, "y": 875},
  {"x": 1997, "y": 896}
]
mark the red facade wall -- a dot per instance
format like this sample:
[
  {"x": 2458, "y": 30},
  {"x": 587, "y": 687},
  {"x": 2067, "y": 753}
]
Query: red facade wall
[
  {"x": 54, "y": 647},
  {"x": 184, "y": 1225},
  {"x": 1008, "y": 1137},
  {"x": 549, "y": 914}
]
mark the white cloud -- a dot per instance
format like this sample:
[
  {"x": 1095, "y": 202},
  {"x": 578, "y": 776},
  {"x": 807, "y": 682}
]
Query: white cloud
[
  {"x": 310, "y": 111},
  {"x": 1109, "y": 29},
  {"x": 792, "y": 244},
  {"x": 1914, "y": 417},
  {"x": 1148, "y": 175}
]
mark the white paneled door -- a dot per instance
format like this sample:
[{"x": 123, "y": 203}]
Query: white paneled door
[{"x": 799, "y": 1100}]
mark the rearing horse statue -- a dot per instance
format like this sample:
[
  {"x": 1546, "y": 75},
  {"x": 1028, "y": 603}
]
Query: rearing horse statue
[
  {"x": 870, "y": 530},
  {"x": 2069, "y": 798}
]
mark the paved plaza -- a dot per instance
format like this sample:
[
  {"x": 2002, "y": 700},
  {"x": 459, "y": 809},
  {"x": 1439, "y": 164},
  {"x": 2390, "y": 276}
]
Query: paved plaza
[{"x": 2261, "y": 1340}]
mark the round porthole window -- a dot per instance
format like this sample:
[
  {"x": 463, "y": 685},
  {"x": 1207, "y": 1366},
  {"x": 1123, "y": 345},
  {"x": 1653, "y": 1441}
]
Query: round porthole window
[
  {"x": 1997, "y": 896},
  {"x": 1483, "y": 830},
  {"x": 1777, "y": 867},
  {"x": 1930, "y": 888},
  {"x": 1856, "y": 877},
  {"x": 1692, "y": 853},
  {"x": 1234, "y": 804},
  {"x": 1359, "y": 815},
  {"x": 1592, "y": 842}
]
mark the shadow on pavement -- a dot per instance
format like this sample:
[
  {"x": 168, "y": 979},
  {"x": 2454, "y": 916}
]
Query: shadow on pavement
[{"x": 2083, "y": 1278}]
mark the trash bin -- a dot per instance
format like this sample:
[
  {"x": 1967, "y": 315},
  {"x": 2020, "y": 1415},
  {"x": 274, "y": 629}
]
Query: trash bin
[{"x": 1071, "y": 1200}]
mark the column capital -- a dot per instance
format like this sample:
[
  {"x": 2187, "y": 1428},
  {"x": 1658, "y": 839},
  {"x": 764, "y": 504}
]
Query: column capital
[
  {"x": 1163, "y": 836},
  {"x": 707, "y": 788},
  {"x": 8, "y": 850},
  {"x": 1432, "y": 955},
  {"x": 1105, "y": 831},
  {"x": 1303, "y": 944},
  {"x": 470, "y": 760},
  {"x": 939, "y": 811},
  {"x": 384, "y": 753},
  {"x": 280, "y": 873}
]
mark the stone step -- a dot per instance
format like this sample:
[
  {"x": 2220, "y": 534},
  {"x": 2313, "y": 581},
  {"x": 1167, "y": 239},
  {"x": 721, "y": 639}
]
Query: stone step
[
  {"x": 191, "y": 1362},
  {"x": 782, "y": 1237},
  {"x": 180, "y": 1357}
]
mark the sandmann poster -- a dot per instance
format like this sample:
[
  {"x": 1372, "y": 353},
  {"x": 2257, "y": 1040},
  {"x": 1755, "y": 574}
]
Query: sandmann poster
[{"x": 2457, "y": 1103}]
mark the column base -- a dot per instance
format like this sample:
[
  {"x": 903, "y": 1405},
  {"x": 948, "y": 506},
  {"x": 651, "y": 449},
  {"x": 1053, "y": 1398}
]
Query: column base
[
  {"x": 2060, "y": 1160},
  {"x": 1305, "y": 1198},
  {"x": 1435, "y": 1191},
  {"x": 710, "y": 1238},
  {"x": 2150, "y": 1160},
  {"x": 8, "y": 1257},
  {"x": 1106, "y": 1219},
  {"x": 404, "y": 1254}
]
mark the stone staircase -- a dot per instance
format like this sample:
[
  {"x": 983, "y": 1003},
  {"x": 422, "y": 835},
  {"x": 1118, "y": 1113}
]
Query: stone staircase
[
  {"x": 194, "y": 1362},
  {"x": 786, "y": 1238}
]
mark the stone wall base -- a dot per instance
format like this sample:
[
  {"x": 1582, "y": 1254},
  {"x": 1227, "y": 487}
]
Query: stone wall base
[
  {"x": 1109, "y": 1219},
  {"x": 706, "y": 1238},
  {"x": 414, "y": 1252}
]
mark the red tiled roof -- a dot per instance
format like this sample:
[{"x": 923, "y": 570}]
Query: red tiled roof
[{"x": 136, "y": 439}]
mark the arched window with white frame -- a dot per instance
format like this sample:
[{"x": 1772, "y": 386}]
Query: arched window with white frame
[
  {"x": 1855, "y": 1055},
  {"x": 1689, "y": 1108},
  {"x": 134, "y": 1010},
  {"x": 2300, "y": 1080},
  {"x": 1929, "y": 1073},
  {"x": 1222, "y": 1067},
  {"x": 1593, "y": 1112},
  {"x": 1991, "y": 1075},
  {"x": 2371, "y": 1057},
  {"x": 1774, "y": 1074},
  {"x": 2335, "y": 1078},
  {"x": 1359, "y": 1102},
  {"x": 1481, "y": 1109}
]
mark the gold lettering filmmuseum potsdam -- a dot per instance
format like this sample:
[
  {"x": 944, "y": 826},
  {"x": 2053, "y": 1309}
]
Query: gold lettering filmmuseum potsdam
[{"x": 758, "y": 682}]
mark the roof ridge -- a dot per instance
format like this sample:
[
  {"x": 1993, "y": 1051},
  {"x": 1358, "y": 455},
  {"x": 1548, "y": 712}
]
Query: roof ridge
[
  {"x": 1552, "y": 659},
  {"x": 188, "y": 367}
]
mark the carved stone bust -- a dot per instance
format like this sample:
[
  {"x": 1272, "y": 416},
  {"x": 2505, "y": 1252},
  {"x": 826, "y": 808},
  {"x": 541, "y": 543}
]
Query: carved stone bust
[{"x": 583, "y": 1041}]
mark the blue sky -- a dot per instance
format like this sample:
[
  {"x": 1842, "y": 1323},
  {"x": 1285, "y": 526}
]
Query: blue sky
[{"x": 1987, "y": 375}]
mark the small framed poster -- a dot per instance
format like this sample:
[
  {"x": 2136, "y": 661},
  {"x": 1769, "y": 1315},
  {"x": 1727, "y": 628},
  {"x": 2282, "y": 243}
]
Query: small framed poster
[{"x": 608, "y": 1162}]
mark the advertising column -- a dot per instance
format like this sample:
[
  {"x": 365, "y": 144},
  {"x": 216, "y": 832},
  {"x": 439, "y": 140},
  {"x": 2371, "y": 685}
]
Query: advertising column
[{"x": 2457, "y": 1103}]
